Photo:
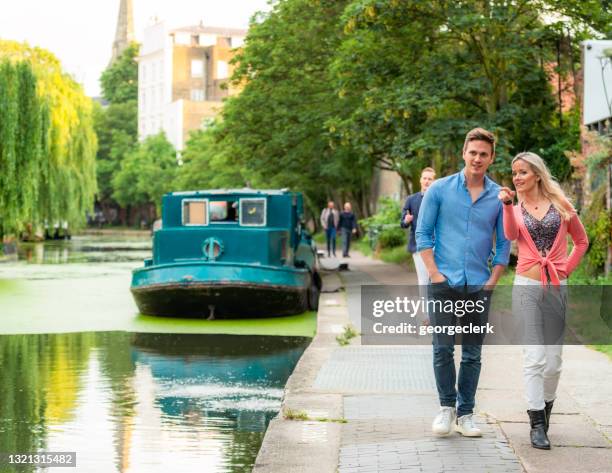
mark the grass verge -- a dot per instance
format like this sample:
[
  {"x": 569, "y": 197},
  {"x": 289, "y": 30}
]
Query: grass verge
[{"x": 395, "y": 255}]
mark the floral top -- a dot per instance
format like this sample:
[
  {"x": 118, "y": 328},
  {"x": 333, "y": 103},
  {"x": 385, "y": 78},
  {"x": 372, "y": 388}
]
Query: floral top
[{"x": 543, "y": 232}]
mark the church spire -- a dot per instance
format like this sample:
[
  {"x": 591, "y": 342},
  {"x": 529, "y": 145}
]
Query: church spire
[{"x": 125, "y": 28}]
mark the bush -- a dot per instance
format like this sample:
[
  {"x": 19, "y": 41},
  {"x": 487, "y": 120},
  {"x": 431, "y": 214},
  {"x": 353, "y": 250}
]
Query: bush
[
  {"x": 392, "y": 237},
  {"x": 598, "y": 225},
  {"x": 383, "y": 228},
  {"x": 389, "y": 212}
]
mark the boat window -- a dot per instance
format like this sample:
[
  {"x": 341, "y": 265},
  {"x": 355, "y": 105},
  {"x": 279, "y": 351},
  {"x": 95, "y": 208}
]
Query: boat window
[
  {"x": 253, "y": 212},
  {"x": 223, "y": 211},
  {"x": 195, "y": 212}
]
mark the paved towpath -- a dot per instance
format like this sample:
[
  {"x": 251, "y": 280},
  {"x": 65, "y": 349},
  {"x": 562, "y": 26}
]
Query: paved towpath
[{"x": 386, "y": 394}]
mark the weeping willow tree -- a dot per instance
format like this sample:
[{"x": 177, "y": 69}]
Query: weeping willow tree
[
  {"x": 24, "y": 122},
  {"x": 47, "y": 142}
]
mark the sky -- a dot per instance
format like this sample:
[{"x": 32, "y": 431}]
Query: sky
[{"x": 81, "y": 32}]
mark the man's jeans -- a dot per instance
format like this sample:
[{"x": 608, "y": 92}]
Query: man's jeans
[
  {"x": 463, "y": 396},
  {"x": 330, "y": 235},
  {"x": 346, "y": 241}
]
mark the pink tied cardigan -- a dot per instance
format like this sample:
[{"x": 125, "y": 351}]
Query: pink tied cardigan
[{"x": 556, "y": 260}]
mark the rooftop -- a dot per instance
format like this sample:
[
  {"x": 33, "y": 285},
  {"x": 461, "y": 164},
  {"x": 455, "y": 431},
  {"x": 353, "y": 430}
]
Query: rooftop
[{"x": 215, "y": 30}]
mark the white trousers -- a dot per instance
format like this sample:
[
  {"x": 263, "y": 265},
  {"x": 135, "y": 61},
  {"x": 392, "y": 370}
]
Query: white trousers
[
  {"x": 421, "y": 270},
  {"x": 541, "y": 362},
  {"x": 423, "y": 279}
]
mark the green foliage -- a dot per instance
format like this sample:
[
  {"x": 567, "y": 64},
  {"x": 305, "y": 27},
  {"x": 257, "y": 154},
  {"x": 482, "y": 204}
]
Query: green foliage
[
  {"x": 117, "y": 124},
  {"x": 478, "y": 63},
  {"x": 347, "y": 335},
  {"x": 147, "y": 173},
  {"x": 206, "y": 166},
  {"x": 120, "y": 80},
  {"x": 275, "y": 131},
  {"x": 383, "y": 229},
  {"x": 599, "y": 236},
  {"x": 116, "y": 128},
  {"x": 392, "y": 237},
  {"x": 389, "y": 213},
  {"x": 291, "y": 414},
  {"x": 22, "y": 137},
  {"x": 47, "y": 146}
]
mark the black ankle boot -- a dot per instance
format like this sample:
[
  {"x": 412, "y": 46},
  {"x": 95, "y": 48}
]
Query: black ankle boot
[
  {"x": 548, "y": 409},
  {"x": 539, "y": 439}
]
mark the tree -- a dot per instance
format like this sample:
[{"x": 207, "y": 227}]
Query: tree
[
  {"x": 275, "y": 130},
  {"x": 146, "y": 173},
  {"x": 206, "y": 165},
  {"x": 423, "y": 73},
  {"x": 120, "y": 80},
  {"x": 116, "y": 128},
  {"x": 48, "y": 142},
  {"x": 23, "y": 129},
  {"x": 116, "y": 125}
]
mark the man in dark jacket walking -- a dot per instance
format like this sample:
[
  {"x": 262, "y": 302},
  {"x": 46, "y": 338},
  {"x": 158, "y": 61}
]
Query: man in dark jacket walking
[
  {"x": 410, "y": 214},
  {"x": 348, "y": 226}
]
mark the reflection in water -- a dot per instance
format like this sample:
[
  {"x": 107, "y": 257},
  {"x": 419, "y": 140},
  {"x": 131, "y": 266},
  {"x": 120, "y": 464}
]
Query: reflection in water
[
  {"x": 90, "y": 249},
  {"x": 143, "y": 402}
]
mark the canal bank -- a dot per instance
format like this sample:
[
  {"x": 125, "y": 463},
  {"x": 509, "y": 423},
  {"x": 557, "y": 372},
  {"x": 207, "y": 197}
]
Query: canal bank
[{"x": 364, "y": 408}]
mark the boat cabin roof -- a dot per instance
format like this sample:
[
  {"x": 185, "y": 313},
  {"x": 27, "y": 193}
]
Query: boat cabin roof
[
  {"x": 224, "y": 192},
  {"x": 279, "y": 208}
]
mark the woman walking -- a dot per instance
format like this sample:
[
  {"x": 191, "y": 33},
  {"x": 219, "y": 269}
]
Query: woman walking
[{"x": 540, "y": 223}]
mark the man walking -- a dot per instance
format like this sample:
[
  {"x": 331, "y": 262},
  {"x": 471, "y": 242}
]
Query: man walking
[
  {"x": 329, "y": 221},
  {"x": 464, "y": 214},
  {"x": 410, "y": 216},
  {"x": 348, "y": 226}
]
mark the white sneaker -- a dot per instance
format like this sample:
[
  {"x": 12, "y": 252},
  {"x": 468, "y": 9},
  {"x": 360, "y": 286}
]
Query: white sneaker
[
  {"x": 467, "y": 427},
  {"x": 443, "y": 423}
]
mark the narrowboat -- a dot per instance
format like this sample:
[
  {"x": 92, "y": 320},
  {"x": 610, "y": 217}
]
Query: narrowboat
[{"x": 235, "y": 253}]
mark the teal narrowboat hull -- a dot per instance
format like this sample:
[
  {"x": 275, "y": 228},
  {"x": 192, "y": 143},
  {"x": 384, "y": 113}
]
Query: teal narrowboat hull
[{"x": 220, "y": 290}]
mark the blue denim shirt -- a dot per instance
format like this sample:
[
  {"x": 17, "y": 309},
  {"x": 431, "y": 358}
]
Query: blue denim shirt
[{"x": 464, "y": 230}]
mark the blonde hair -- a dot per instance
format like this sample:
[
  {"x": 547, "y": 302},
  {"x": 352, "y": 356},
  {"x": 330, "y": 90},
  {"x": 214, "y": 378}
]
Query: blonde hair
[
  {"x": 432, "y": 170},
  {"x": 547, "y": 184}
]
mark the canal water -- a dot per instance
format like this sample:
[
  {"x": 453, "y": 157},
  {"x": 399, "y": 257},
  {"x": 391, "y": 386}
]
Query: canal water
[{"x": 81, "y": 371}]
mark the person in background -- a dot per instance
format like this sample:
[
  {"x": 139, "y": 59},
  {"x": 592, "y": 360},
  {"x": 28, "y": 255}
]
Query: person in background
[
  {"x": 348, "y": 226},
  {"x": 540, "y": 224},
  {"x": 464, "y": 214},
  {"x": 410, "y": 215},
  {"x": 329, "y": 221}
]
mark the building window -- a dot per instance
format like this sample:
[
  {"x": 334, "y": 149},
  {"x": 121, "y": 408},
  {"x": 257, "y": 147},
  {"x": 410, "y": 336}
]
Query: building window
[
  {"x": 197, "y": 95},
  {"x": 197, "y": 68},
  {"x": 222, "y": 70}
]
